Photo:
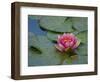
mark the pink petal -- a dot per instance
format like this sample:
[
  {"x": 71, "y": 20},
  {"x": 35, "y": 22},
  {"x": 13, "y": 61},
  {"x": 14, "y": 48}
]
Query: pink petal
[
  {"x": 59, "y": 48},
  {"x": 59, "y": 36},
  {"x": 60, "y": 45},
  {"x": 77, "y": 44},
  {"x": 72, "y": 34},
  {"x": 71, "y": 43},
  {"x": 66, "y": 35},
  {"x": 67, "y": 44}
]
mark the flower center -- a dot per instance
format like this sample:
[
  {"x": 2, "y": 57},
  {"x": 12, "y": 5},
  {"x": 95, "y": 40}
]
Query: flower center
[{"x": 67, "y": 40}]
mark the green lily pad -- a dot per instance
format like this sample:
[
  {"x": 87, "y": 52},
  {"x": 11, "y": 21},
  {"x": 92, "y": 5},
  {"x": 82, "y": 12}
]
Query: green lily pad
[
  {"x": 81, "y": 60},
  {"x": 82, "y": 36},
  {"x": 82, "y": 50},
  {"x": 45, "y": 58},
  {"x": 75, "y": 32},
  {"x": 67, "y": 61},
  {"x": 56, "y": 24},
  {"x": 78, "y": 60},
  {"x": 80, "y": 23},
  {"x": 52, "y": 35}
]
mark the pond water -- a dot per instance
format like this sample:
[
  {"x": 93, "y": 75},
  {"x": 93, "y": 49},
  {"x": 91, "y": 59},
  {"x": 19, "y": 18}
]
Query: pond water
[{"x": 33, "y": 26}]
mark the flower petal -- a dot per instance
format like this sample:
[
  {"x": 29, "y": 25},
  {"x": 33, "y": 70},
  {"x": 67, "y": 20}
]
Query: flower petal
[
  {"x": 67, "y": 44},
  {"x": 59, "y": 36},
  {"x": 77, "y": 44},
  {"x": 71, "y": 44},
  {"x": 59, "y": 48}
]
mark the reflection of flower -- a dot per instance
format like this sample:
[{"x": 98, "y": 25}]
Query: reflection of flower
[{"x": 66, "y": 41}]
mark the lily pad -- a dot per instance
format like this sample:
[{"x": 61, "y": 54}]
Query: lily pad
[
  {"x": 80, "y": 23},
  {"x": 45, "y": 58},
  {"x": 56, "y": 24},
  {"x": 81, "y": 60},
  {"x": 78, "y": 60},
  {"x": 82, "y": 50},
  {"x": 52, "y": 35},
  {"x": 82, "y": 36},
  {"x": 75, "y": 32}
]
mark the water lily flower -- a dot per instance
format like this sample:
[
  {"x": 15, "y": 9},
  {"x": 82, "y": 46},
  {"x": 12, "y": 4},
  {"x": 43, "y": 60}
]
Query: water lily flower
[{"x": 67, "y": 41}]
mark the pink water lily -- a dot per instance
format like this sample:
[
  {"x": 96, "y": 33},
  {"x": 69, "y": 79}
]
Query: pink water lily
[{"x": 66, "y": 41}]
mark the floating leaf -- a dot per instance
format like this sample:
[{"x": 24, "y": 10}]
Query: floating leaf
[
  {"x": 45, "y": 58},
  {"x": 67, "y": 61},
  {"x": 75, "y": 32},
  {"x": 52, "y": 35},
  {"x": 81, "y": 60},
  {"x": 56, "y": 24},
  {"x": 82, "y": 36},
  {"x": 80, "y": 23},
  {"x": 77, "y": 59},
  {"x": 82, "y": 50},
  {"x": 70, "y": 60}
]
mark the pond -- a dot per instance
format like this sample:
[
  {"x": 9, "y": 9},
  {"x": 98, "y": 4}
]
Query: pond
[{"x": 42, "y": 40}]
